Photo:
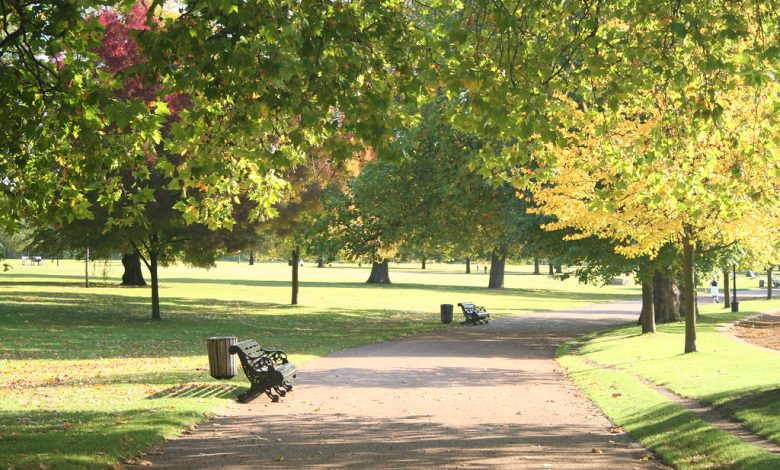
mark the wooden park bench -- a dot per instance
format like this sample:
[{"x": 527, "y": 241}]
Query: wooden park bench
[
  {"x": 474, "y": 315},
  {"x": 268, "y": 371}
]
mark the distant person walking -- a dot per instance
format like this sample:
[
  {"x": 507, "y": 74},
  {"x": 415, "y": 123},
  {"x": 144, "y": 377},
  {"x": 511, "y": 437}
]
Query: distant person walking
[{"x": 714, "y": 291}]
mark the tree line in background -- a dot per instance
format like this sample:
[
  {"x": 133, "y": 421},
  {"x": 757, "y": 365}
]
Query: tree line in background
[{"x": 615, "y": 136}]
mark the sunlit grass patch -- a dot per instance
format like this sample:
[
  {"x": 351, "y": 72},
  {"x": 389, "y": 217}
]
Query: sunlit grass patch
[{"x": 738, "y": 377}]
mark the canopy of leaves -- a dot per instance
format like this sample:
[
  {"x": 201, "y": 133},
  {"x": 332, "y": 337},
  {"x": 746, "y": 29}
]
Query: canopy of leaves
[
  {"x": 642, "y": 123},
  {"x": 427, "y": 199},
  {"x": 217, "y": 98}
]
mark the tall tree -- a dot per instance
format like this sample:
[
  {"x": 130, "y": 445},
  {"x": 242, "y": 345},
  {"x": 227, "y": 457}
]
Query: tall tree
[
  {"x": 303, "y": 203},
  {"x": 441, "y": 203},
  {"x": 647, "y": 122},
  {"x": 662, "y": 167}
]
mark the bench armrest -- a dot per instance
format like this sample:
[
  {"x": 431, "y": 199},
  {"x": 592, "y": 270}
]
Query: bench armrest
[
  {"x": 277, "y": 356},
  {"x": 260, "y": 362},
  {"x": 274, "y": 356}
]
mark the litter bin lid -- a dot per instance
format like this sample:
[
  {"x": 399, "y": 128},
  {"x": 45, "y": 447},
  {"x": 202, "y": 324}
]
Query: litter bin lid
[{"x": 221, "y": 337}]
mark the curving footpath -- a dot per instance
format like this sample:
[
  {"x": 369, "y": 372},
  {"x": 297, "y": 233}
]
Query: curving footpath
[{"x": 489, "y": 396}]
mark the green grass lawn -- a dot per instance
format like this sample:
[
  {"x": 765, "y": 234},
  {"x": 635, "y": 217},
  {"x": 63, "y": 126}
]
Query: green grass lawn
[
  {"x": 742, "y": 379},
  {"x": 88, "y": 380}
]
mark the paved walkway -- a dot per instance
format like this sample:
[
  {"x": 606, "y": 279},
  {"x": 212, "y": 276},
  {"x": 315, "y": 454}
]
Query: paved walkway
[{"x": 467, "y": 397}]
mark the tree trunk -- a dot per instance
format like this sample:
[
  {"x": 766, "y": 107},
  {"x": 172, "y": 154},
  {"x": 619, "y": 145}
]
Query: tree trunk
[
  {"x": 683, "y": 299},
  {"x": 536, "y": 265},
  {"x": 468, "y": 265},
  {"x": 133, "y": 275},
  {"x": 666, "y": 297},
  {"x": 155, "y": 284},
  {"x": 769, "y": 285},
  {"x": 689, "y": 253},
  {"x": 558, "y": 269},
  {"x": 552, "y": 269},
  {"x": 497, "y": 265},
  {"x": 380, "y": 273},
  {"x": 647, "y": 317},
  {"x": 86, "y": 268},
  {"x": 320, "y": 262},
  {"x": 251, "y": 257},
  {"x": 423, "y": 262},
  {"x": 726, "y": 293},
  {"x": 296, "y": 258}
]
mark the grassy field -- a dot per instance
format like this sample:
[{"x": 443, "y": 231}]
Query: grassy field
[
  {"x": 741, "y": 379},
  {"x": 87, "y": 380}
]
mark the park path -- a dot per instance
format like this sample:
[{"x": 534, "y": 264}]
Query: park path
[{"x": 490, "y": 396}]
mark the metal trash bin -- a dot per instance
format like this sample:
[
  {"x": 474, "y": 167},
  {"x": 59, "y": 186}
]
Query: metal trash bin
[
  {"x": 222, "y": 364},
  {"x": 446, "y": 313}
]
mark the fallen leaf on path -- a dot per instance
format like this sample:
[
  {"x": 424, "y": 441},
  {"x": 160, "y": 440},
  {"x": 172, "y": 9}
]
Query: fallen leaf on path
[
  {"x": 144, "y": 463},
  {"x": 616, "y": 430},
  {"x": 280, "y": 458},
  {"x": 615, "y": 395},
  {"x": 596, "y": 451}
]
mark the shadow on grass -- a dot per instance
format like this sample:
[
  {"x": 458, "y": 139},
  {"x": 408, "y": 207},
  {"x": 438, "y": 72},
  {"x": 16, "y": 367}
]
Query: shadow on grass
[
  {"x": 685, "y": 441},
  {"x": 39, "y": 325},
  {"x": 87, "y": 326},
  {"x": 83, "y": 439},
  {"x": 708, "y": 322},
  {"x": 754, "y": 407},
  {"x": 196, "y": 391}
]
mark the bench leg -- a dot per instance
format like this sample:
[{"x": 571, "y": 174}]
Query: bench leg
[
  {"x": 274, "y": 397},
  {"x": 280, "y": 390},
  {"x": 249, "y": 394}
]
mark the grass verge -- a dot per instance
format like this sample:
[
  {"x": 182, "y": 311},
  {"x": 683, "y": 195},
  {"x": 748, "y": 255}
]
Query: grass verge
[{"x": 741, "y": 378}]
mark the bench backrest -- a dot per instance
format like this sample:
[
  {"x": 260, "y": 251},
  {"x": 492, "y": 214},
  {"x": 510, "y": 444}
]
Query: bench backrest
[
  {"x": 247, "y": 347},
  {"x": 468, "y": 307}
]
